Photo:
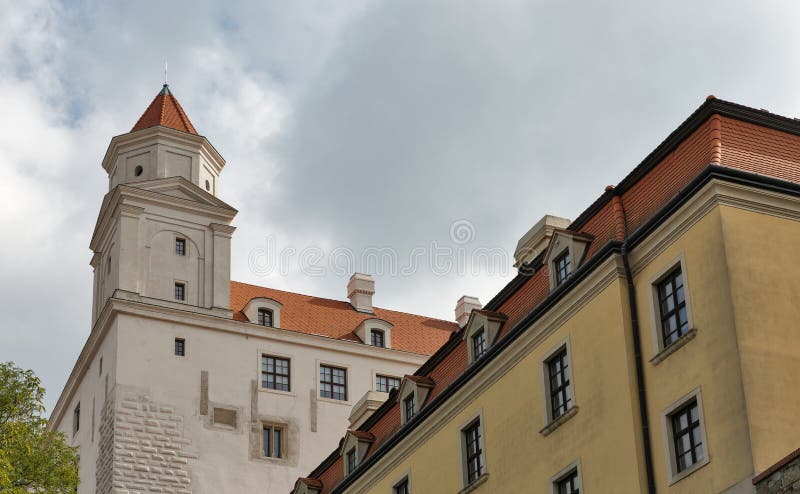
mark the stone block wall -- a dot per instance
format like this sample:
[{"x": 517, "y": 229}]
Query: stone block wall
[{"x": 781, "y": 478}]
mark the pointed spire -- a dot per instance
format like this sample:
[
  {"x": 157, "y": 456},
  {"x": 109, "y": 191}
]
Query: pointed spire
[{"x": 165, "y": 111}]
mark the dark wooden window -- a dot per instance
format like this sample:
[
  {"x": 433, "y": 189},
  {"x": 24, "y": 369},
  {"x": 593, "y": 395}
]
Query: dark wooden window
[
  {"x": 180, "y": 291},
  {"x": 402, "y": 487},
  {"x": 180, "y": 347},
  {"x": 351, "y": 460},
  {"x": 687, "y": 436},
  {"x": 672, "y": 307},
  {"x": 473, "y": 451},
  {"x": 377, "y": 338},
  {"x": 265, "y": 317},
  {"x": 275, "y": 373},
  {"x": 569, "y": 484},
  {"x": 333, "y": 382},
  {"x": 384, "y": 384},
  {"x": 478, "y": 344},
  {"x": 559, "y": 383},
  {"x": 272, "y": 441},
  {"x": 408, "y": 406},
  {"x": 180, "y": 246},
  {"x": 563, "y": 267},
  {"x": 76, "y": 419}
]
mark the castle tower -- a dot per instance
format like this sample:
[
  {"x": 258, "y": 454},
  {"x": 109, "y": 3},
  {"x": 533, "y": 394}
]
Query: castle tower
[{"x": 162, "y": 233}]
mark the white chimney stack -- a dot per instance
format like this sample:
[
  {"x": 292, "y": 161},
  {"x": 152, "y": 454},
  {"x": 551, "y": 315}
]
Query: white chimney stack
[
  {"x": 360, "y": 290},
  {"x": 535, "y": 241},
  {"x": 464, "y": 307}
]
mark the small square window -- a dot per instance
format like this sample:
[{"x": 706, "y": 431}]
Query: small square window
[
  {"x": 473, "y": 451},
  {"x": 180, "y": 347},
  {"x": 333, "y": 382},
  {"x": 275, "y": 373},
  {"x": 351, "y": 460},
  {"x": 559, "y": 386},
  {"x": 272, "y": 441},
  {"x": 672, "y": 307},
  {"x": 402, "y": 487},
  {"x": 409, "y": 406},
  {"x": 180, "y": 246},
  {"x": 569, "y": 483},
  {"x": 385, "y": 384},
  {"x": 377, "y": 338},
  {"x": 563, "y": 267},
  {"x": 180, "y": 291},
  {"x": 265, "y": 317},
  {"x": 478, "y": 344}
]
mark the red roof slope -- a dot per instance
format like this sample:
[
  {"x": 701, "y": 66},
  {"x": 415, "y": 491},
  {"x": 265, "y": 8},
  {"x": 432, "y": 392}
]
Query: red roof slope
[
  {"x": 337, "y": 318},
  {"x": 165, "y": 111}
]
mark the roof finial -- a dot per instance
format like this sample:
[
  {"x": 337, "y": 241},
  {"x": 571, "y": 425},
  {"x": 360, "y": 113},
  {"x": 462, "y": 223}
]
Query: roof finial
[{"x": 165, "y": 72}]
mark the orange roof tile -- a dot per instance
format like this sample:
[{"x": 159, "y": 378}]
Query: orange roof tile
[
  {"x": 337, "y": 318},
  {"x": 165, "y": 111}
]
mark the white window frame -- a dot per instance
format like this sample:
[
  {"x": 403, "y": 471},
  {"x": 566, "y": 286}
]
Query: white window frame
[
  {"x": 251, "y": 311},
  {"x": 660, "y": 352},
  {"x": 673, "y": 475}
]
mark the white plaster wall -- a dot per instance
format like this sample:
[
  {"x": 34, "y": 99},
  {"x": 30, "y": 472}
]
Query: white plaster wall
[
  {"x": 147, "y": 362},
  {"x": 92, "y": 387}
]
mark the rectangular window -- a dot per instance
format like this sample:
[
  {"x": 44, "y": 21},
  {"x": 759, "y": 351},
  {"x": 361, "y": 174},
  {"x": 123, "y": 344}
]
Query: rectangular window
[
  {"x": 272, "y": 441},
  {"x": 409, "y": 406},
  {"x": 672, "y": 308},
  {"x": 351, "y": 460},
  {"x": 265, "y": 317},
  {"x": 100, "y": 372},
  {"x": 687, "y": 436},
  {"x": 473, "y": 451},
  {"x": 559, "y": 384},
  {"x": 76, "y": 419},
  {"x": 569, "y": 484},
  {"x": 478, "y": 344},
  {"x": 180, "y": 291},
  {"x": 180, "y": 347},
  {"x": 563, "y": 268},
  {"x": 180, "y": 246},
  {"x": 275, "y": 373},
  {"x": 333, "y": 382},
  {"x": 378, "y": 338},
  {"x": 402, "y": 487},
  {"x": 385, "y": 384}
]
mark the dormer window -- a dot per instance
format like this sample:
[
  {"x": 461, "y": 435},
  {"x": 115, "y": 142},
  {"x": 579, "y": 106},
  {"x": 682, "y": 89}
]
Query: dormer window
[
  {"x": 479, "y": 344},
  {"x": 265, "y": 317},
  {"x": 481, "y": 331},
  {"x": 354, "y": 448},
  {"x": 564, "y": 255},
  {"x": 307, "y": 486},
  {"x": 377, "y": 338},
  {"x": 563, "y": 267},
  {"x": 412, "y": 395}
]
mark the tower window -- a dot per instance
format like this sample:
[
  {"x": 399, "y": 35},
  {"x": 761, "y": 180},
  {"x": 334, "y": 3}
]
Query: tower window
[
  {"x": 180, "y": 246},
  {"x": 180, "y": 291},
  {"x": 473, "y": 452},
  {"x": 686, "y": 436},
  {"x": 378, "y": 338},
  {"x": 569, "y": 484},
  {"x": 208, "y": 186},
  {"x": 402, "y": 487},
  {"x": 180, "y": 347},
  {"x": 672, "y": 308},
  {"x": 100, "y": 372},
  {"x": 76, "y": 419},
  {"x": 138, "y": 170},
  {"x": 559, "y": 384},
  {"x": 265, "y": 317}
]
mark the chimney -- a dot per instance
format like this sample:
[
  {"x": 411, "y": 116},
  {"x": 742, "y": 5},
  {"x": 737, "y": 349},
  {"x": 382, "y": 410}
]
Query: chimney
[
  {"x": 464, "y": 307},
  {"x": 535, "y": 241},
  {"x": 360, "y": 290}
]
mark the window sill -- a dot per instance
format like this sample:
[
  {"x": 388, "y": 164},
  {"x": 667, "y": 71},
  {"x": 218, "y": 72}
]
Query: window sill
[
  {"x": 477, "y": 483},
  {"x": 276, "y": 392},
  {"x": 676, "y": 477},
  {"x": 331, "y": 400},
  {"x": 555, "y": 424},
  {"x": 666, "y": 352}
]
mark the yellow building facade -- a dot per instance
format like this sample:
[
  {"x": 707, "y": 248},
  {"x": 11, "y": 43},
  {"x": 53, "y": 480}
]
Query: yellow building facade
[{"x": 688, "y": 391}]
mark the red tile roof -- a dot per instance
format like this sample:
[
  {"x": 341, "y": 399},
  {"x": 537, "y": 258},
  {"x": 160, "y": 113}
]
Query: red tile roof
[
  {"x": 719, "y": 133},
  {"x": 165, "y": 111},
  {"x": 338, "y": 319}
]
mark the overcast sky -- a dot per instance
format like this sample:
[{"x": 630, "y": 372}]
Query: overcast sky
[{"x": 352, "y": 128}]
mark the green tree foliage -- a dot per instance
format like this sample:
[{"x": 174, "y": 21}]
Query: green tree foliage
[{"x": 32, "y": 459}]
